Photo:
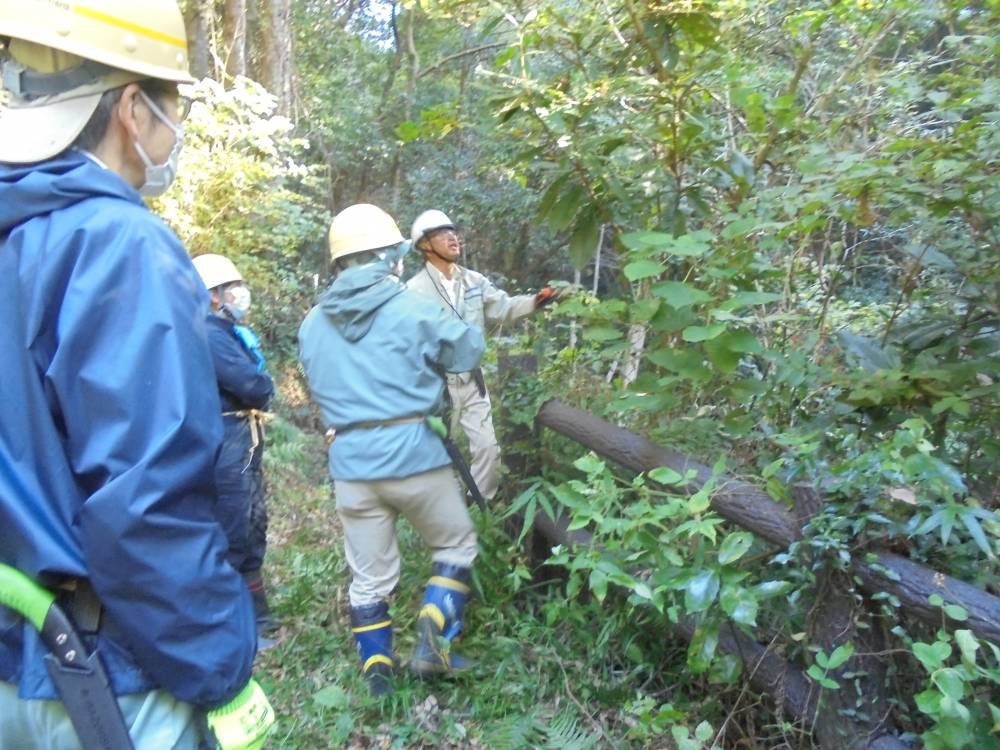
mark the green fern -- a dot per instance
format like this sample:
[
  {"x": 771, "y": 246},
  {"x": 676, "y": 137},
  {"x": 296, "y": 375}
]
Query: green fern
[
  {"x": 517, "y": 733},
  {"x": 565, "y": 733}
]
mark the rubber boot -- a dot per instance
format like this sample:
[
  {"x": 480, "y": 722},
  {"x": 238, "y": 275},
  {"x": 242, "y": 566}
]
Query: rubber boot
[
  {"x": 372, "y": 628},
  {"x": 262, "y": 611},
  {"x": 440, "y": 621}
]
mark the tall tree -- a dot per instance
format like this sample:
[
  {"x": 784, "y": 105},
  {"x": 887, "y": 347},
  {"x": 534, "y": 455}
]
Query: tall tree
[{"x": 235, "y": 37}]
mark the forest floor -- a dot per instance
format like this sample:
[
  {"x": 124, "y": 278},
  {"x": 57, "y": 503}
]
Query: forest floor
[{"x": 538, "y": 681}]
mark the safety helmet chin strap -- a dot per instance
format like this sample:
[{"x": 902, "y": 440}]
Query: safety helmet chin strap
[{"x": 429, "y": 248}]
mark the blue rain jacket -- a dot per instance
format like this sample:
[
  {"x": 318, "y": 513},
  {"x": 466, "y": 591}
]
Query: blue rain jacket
[
  {"x": 243, "y": 383},
  {"x": 370, "y": 350},
  {"x": 238, "y": 473},
  {"x": 108, "y": 435}
]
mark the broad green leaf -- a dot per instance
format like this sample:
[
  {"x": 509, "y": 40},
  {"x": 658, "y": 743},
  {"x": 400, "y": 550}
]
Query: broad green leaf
[
  {"x": 665, "y": 475},
  {"x": 734, "y": 547},
  {"x": 566, "y": 206},
  {"x": 686, "y": 245},
  {"x": 769, "y": 589},
  {"x": 678, "y": 294},
  {"x": 967, "y": 644},
  {"x": 740, "y": 604},
  {"x": 700, "y": 501},
  {"x": 932, "y": 655},
  {"x": 642, "y": 311},
  {"x": 601, "y": 333},
  {"x": 643, "y": 269},
  {"x": 408, "y": 131},
  {"x": 740, "y": 227},
  {"x": 995, "y": 714},
  {"x": 949, "y": 682},
  {"x": 703, "y": 732},
  {"x": 645, "y": 240},
  {"x": 590, "y": 464},
  {"x": 703, "y": 646},
  {"x": 956, "y": 612},
  {"x": 976, "y": 532},
  {"x": 695, "y": 334},
  {"x": 840, "y": 655},
  {"x": 685, "y": 362},
  {"x": 701, "y": 591},
  {"x": 583, "y": 243},
  {"x": 598, "y": 583},
  {"x": 820, "y": 677}
]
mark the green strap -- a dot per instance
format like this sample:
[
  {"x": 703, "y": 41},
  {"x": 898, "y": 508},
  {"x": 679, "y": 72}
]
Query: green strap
[
  {"x": 437, "y": 424},
  {"x": 24, "y": 596}
]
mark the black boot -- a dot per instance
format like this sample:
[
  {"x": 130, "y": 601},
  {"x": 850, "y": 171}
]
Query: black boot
[
  {"x": 372, "y": 628},
  {"x": 265, "y": 620},
  {"x": 440, "y": 621}
]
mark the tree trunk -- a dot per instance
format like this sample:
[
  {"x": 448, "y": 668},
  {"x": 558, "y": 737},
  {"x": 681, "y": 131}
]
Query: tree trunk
[
  {"x": 235, "y": 38},
  {"x": 196, "y": 25},
  {"x": 754, "y": 510},
  {"x": 277, "y": 64}
]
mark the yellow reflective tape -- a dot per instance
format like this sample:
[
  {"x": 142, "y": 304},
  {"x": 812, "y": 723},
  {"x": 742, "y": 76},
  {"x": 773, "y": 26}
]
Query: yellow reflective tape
[
  {"x": 368, "y": 628},
  {"x": 432, "y": 611},
  {"x": 448, "y": 583},
  {"x": 377, "y": 659},
  {"x": 121, "y": 23}
]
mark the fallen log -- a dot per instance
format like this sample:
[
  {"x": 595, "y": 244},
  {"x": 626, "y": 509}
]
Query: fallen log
[
  {"x": 768, "y": 673},
  {"x": 751, "y": 508},
  {"x": 765, "y": 670}
]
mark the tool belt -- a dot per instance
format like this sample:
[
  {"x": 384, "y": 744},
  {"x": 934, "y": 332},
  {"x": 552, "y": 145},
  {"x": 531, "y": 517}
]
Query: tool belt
[
  {"x": 372, "y": 424},
  {"x": 256, "y": 418}
]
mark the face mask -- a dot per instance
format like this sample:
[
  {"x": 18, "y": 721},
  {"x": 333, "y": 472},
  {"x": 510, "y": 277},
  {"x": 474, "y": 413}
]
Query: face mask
[
  {"x": 240, "y": 305},
  {"x": 159, "y": 176}
]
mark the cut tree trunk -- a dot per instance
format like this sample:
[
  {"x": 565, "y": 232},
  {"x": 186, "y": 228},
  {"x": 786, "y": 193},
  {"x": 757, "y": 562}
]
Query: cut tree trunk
[{"x": 753, "y": 509}]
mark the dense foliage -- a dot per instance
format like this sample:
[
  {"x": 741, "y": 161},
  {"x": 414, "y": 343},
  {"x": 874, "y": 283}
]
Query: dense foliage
[{"x": 787, "y": 216}]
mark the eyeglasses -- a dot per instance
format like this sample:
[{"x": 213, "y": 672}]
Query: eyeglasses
[
  {"x": 159, "y": 91},
  {"x": 184, "y": 105}
]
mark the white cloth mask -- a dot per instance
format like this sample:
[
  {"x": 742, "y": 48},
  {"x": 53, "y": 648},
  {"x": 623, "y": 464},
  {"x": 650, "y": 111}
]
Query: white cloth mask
[
  {"x": 240, "y": 304},
  {"x": 160, "y": 176}
]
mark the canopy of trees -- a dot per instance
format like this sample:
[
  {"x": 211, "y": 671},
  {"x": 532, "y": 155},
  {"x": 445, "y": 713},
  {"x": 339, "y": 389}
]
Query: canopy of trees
[{"x": 786, "y": 218}]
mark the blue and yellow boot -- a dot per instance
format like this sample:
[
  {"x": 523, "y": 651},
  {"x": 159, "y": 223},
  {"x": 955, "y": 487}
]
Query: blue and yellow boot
[
  {"x": 440, "y": 621},
  {"x": 372, "y": 628}
]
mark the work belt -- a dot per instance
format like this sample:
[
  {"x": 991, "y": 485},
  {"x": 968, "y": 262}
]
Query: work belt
[
  {"x": 255, "y": 420},
  {"x": 372, "y": 424}
]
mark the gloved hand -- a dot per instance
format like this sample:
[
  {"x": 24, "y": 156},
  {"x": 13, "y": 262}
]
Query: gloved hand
[
  {"x": 243, "y": 723},
  {"x": 547, "y": 295},
  {"x": 553, "y": 293}
]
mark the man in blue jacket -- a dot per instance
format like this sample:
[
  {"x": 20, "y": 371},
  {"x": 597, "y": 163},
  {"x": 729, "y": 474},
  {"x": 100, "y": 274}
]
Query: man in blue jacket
[
  {"x": 110, "y": 425},
  {"x": 245, "y": 389},
  {"x": 375, "y": 355}
]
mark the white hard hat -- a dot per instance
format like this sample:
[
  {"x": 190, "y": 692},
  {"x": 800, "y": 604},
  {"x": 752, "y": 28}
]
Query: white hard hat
[
  {"x": 362, "y": 227},
  {"x": 429, "y": 221},
  {"x": 216, "y": 270},
  {"x": 63, "y": 56}
]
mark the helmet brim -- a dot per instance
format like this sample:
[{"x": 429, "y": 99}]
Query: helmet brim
[{"x": 32, "y": 131}]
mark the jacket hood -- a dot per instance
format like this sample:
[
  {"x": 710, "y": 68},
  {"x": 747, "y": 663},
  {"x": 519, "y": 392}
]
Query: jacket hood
[
  {"x": 356, "y": 295},
  {"x": 30, "y": 190}
]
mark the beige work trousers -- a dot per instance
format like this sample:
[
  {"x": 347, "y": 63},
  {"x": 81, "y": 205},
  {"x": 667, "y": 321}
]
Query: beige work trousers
[
  {"x": 432, "y": 501},
  {"x": 472, "y": 412}
]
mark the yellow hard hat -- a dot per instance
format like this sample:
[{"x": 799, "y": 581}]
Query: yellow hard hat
[
  {"x": 145, "y": 37},
  {"x": 216, "y": 270},
  {"x": 63, "y": 56},
  {"x": 362, "y": 227}
]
